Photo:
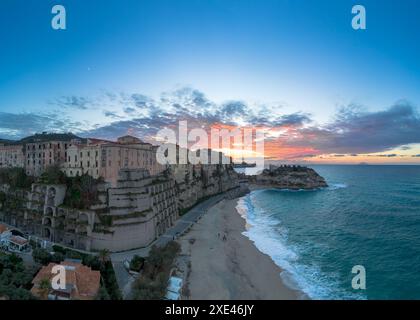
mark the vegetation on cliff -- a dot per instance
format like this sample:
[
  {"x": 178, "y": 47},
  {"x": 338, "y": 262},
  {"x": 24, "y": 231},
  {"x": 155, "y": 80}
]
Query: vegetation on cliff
[
  {"x": 82, "y": 191},
  {"x": 15, "y": 278},
  {"x": 152, "y": 283},
  {"x": 16, "y": 178}
]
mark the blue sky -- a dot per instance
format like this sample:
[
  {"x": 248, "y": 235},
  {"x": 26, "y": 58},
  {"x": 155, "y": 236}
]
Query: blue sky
[{"x": 298, "y": 57}]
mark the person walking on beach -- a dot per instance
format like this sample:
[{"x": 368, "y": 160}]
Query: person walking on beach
[{"x": 224, "y": 237}]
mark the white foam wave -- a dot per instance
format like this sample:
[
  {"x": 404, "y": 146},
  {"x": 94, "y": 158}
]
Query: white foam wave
[
  {"x": 263, "y": 231},
  {"x": 336, "y": 186}
]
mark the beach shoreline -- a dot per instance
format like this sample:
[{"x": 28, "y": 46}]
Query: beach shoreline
[{"x": 225, "y": 265}]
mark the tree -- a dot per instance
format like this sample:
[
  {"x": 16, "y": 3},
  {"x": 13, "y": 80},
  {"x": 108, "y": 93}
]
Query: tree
[
  {"x": 137, "y": 263},
  {"x": 102, "y": 294},
  {"x": 44, "y": 288},
  {"x": 3, "y": 198},
  {"x": 104, "y": 257},
  {"x": 41, "y": 256}
]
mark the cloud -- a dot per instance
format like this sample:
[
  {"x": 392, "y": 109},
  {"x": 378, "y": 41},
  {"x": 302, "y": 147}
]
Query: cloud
[
  {"x": 111, "y": 114},
  {"x": 405, "y": 148},
  {"x": 353, "y": 131},
  {"x": 76, "y": 102},
  {"x": 357, "y": 131},
  {"x": 15, "y": 126},
  {"x": 392, "y": 155}
]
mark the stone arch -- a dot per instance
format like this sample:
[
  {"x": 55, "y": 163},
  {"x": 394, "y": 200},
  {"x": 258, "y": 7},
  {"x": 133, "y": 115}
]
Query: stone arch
[
  {"x": 47, "y": 221},
  {"x": 49, "y": 212},
  {"x": 51, "y": 193},
  {"x": 46, "y": 233}
]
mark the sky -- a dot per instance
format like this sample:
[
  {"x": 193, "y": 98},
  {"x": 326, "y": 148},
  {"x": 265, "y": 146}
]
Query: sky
[{"x": 325, "y": 93}]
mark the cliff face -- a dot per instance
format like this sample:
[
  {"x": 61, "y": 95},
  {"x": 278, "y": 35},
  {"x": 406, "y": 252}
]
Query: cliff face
[
  {"x": 195, "y": 183},
  {"x": 289, "y": 177}
]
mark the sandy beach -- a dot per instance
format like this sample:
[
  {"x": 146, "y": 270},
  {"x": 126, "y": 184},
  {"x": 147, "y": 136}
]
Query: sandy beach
[{"x": 230, "y": 268}]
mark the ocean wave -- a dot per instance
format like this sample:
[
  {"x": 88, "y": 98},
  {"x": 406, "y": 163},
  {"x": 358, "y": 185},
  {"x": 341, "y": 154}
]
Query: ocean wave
[
  {"x": 270, "y": 237},
  {"x": 336, "y": 186}
]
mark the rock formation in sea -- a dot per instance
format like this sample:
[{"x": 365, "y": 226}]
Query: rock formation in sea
[{"x": 289, "y": 177}]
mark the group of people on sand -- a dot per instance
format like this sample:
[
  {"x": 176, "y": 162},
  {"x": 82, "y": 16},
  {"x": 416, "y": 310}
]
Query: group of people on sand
[{"x": 224, "y": 238}]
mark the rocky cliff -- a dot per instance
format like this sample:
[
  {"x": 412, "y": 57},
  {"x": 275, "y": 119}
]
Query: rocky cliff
[{"x": 289, "y": 177}]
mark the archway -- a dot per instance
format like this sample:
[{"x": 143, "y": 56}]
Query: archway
[{"x": 51, "y": 196}]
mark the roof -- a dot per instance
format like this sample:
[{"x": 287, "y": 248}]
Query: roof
[
  {"x": 82, "y": 283},
  {"x": 93, "y": 141},
  {"x": 18, "y": 240},
  {"x": 3, "y": 228}
]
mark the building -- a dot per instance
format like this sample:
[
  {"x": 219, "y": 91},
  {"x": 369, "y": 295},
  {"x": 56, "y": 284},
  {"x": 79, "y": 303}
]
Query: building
[
  {"x": 11, "y": 156},
  {"x": 5, "y": 235},
  {"x": 82, "y": 283},
  {"x": 131, "y": 214},
  {"x": 11, "y": 241},
  {"x": 102, "y": 158},
  {"x": 17, "y": 244},
  {"x": 40, "y": 155}
]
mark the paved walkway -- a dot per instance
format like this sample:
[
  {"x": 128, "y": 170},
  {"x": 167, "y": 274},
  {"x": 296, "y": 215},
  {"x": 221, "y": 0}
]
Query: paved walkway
[{"x": 182, "y": 225}]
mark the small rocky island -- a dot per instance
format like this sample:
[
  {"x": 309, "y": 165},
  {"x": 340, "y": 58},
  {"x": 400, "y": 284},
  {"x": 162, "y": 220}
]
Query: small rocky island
[{"x": 289, "y": 177}]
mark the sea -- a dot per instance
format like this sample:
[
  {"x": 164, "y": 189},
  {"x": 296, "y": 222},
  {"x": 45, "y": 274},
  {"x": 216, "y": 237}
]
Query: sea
[{"x": 368, "y": 219}]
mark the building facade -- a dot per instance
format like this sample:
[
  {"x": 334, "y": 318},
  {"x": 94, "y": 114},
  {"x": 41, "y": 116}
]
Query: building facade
[
  {"x": 40, "y": 155},
  {"x": 101, "y": 158},
  {"x": 11, "y": 156}
]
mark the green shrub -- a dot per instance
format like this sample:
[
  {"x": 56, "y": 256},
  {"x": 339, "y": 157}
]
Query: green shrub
[
  {"x": 154, "y": 280},
  {"x": 41, "y": 256},
  {"x": 136, "y": 264}
]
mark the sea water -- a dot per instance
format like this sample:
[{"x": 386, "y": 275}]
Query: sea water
[{"x": 369, "y": 216}]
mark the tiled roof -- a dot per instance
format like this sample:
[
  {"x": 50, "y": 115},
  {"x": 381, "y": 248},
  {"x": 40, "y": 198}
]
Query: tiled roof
[
  {"x": 83, "y": 282},
  {"x": 18, "y": 240},
  {"x": 3, "y": 228}
]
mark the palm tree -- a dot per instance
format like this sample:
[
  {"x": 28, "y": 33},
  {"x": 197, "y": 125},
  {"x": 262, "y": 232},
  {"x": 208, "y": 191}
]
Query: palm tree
[{"x": 44, "y": 288}]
